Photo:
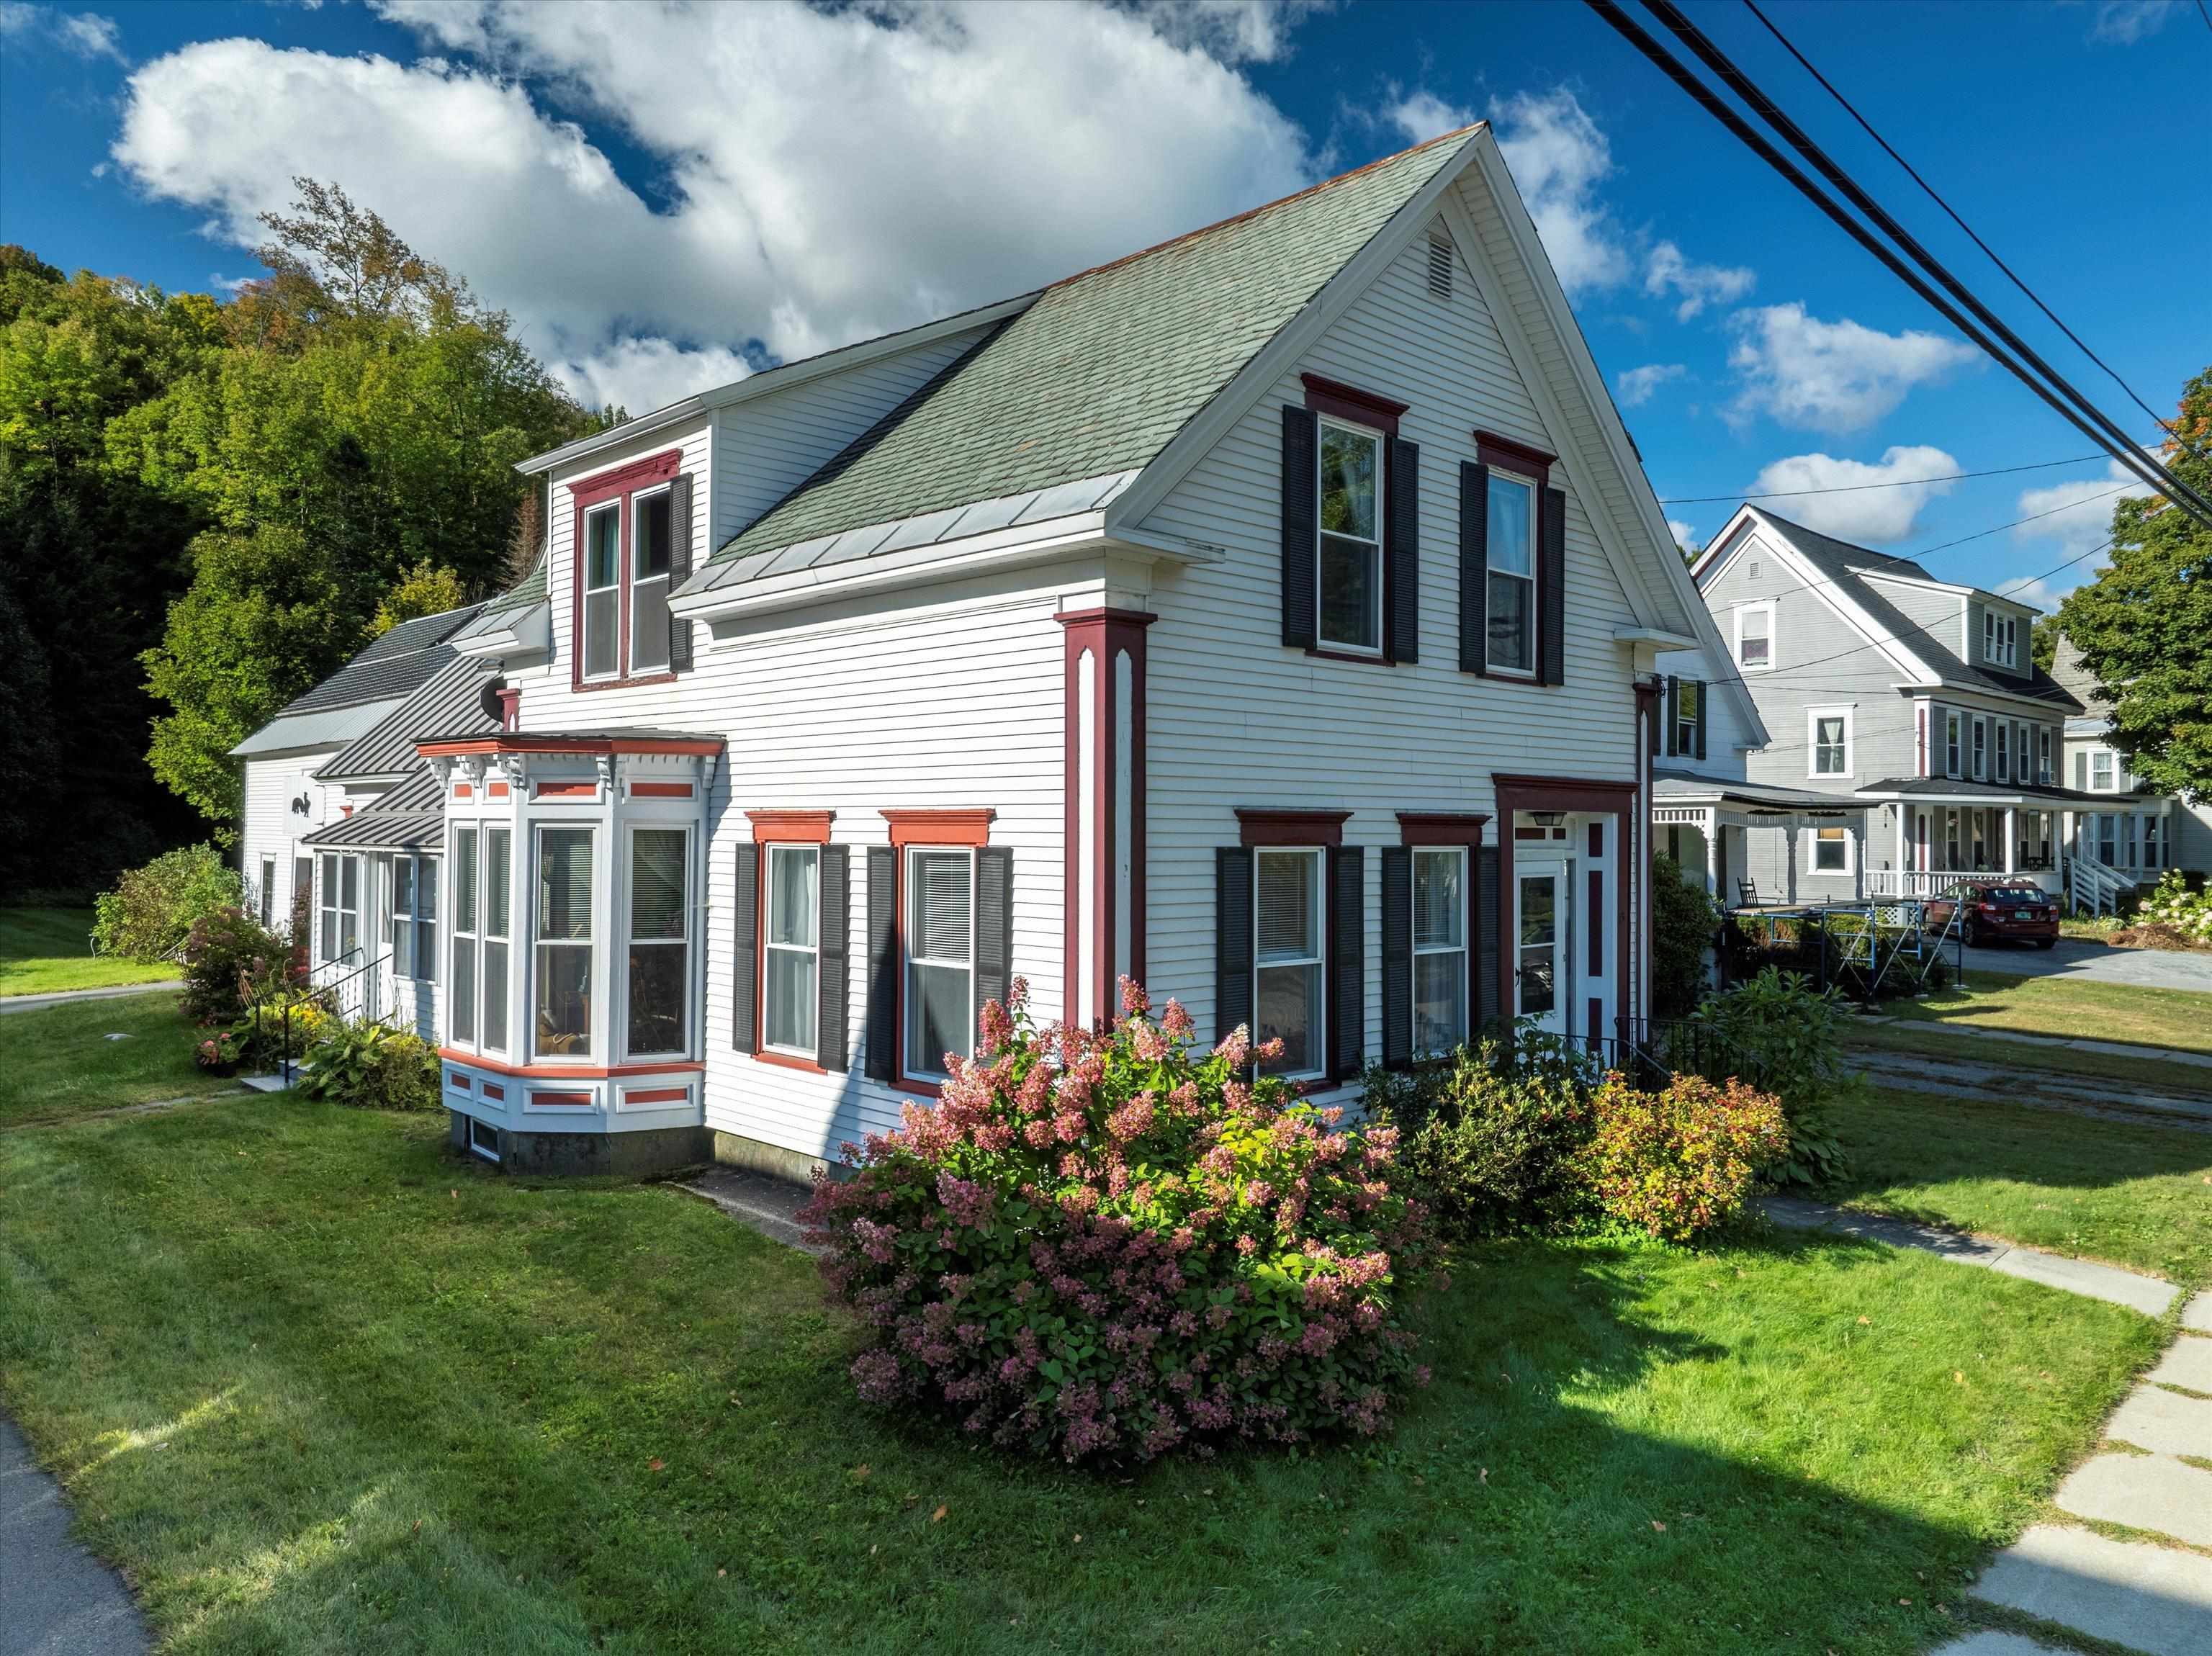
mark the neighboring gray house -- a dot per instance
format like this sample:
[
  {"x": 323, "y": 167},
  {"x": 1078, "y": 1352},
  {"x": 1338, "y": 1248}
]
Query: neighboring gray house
[
  {"x": 1914, "y": 697},
  {"x": 2138, "y": 834}
]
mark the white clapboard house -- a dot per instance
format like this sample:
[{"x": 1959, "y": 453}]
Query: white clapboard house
[{"x": 1271, "y": 616}]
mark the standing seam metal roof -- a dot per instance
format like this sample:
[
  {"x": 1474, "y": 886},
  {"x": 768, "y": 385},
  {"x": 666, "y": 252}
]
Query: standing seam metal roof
[{"x": 446, "y": 702}]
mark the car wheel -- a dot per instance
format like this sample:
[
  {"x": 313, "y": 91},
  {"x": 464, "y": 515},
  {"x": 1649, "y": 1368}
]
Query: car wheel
[{"x": 2046, "y": 942}]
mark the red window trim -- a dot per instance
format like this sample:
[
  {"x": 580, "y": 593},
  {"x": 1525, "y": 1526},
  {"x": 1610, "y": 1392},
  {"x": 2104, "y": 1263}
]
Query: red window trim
[
  {"x": 565, "y": 791},
  {"x": 568, "y": 1071},
  {"x": 1491, "y": 450},
  {"x": 1615, "y": 799},
  {"x": 617, "y": 486},
  {"x": 782, "y": 828},
  {"x": 1342, "y": 402},
  {"x": 1272, "y": 829},
  {"x": 789, "y": 828},
  {"x": 658, "y": 1095},
  {"x": 663, "y": 790},
  {"x": 968, "y": 829}
]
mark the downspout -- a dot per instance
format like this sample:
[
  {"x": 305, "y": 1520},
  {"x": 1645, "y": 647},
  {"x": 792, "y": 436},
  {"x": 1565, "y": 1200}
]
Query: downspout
[{"x": 1637, "y": 992}]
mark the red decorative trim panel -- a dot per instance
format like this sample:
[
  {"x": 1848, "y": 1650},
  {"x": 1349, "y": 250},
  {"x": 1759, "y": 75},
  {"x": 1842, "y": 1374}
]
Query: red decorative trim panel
[
  {"x": 637, "y": 474},
  {"x": 1519, "y": 458},
  {"x": 1344, "y": 402},
  {"x": 1291, "y": 828},
  {"x": 940, "y": 828},
  {"x": 791, "y": 828}
]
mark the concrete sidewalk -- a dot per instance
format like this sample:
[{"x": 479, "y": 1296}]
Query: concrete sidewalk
[
  {"x": 2099, "y": 962},
  {"x": 55, "y": 1598},
  {"x": 34, "y": 1002}
]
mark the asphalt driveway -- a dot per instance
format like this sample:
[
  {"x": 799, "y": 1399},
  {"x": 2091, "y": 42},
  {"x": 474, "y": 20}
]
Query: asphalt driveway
[
  {"x": 55, "y": 1598},
  {"x": 2144, "y": 968}
]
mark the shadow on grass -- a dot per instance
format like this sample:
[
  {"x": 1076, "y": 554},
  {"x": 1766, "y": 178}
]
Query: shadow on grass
[{"x": 459, "y": 1413}]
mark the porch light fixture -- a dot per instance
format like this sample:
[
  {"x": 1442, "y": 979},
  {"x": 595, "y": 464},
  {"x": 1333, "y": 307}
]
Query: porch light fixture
[{"x": 1548, "y": 818}]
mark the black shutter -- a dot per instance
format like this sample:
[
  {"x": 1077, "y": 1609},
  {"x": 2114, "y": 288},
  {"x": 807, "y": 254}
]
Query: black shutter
[
  {"x": 1403, "y": 468},
  {"x": 1484, "y": 923},
  {"x": 679, "y": 568},
  {"x": 1347, "y": 951},
  {"x": 1705, "y": 695},
  {"x": 834, "y": 988},
  {"x": 995, "y": 925},
  {"x": 1232, "y": 940},
  {"x": 745, "y": 954},
  {"x": 1397, "y": 957},
  {"x": 1552, "y": 592},
  {"x": 1670, "y": 712},
  {"x": 1473, "y": 563},
  {"x": 883, "y": 964},
  {"x": 1301, "y": 524}
]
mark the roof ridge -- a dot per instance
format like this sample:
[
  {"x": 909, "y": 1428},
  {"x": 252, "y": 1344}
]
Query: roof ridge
[{"x": 1264, "y": 207}]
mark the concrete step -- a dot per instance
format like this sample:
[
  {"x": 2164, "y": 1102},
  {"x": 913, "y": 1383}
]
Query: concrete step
[
  {"x": 2187, "y": 1362},
  {"x": 2198, "y": 1313},
  {"x": 2151, "y": 1598},
  {"x": 2155, "y": 1493}
]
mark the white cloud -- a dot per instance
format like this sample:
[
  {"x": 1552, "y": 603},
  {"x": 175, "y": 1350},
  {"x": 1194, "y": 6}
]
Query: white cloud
[
  {"x": 1831, "y": 376},
  {"x": 1233, "y": 30},
  {"x": 1557, "y": 157},
  {"x": 85, "y": 33},
  {"x": 2078, "y": 514},
  {"x": 2124, "y": 22},
  {"x": 1666, "y": 268},
  {"x": 828, "y": 174},
  {"x": 1880, "y": 502},
  {"x": 640, "y": 375},
  {"x": 1684, "y": 535},
  {"x": 1636, "y": 385}
]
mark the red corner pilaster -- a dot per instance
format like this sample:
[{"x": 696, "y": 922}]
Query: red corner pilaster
[{"x": 1103, "y": 779}]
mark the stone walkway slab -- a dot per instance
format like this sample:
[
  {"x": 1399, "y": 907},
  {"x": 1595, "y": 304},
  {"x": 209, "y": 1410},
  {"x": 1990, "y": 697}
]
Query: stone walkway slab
[
  {"x": 2165, "y": 1422},
  {"x": 1990, "y": 1642},
  {"x": 2144, "y": 1492},
  {"x": 2198, "y": 1313},
  {"x": 769, "y": 1205},
  {"x": 55, "y": 1598},
  {"x": 2187, "y": 1362},
  {"x": 2148, "y": 1295},
  {"x": 2154, "y": 1599}
]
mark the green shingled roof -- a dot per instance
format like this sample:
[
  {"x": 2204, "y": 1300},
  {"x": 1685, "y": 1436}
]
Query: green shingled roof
[{"x": 1101, "y": 372}]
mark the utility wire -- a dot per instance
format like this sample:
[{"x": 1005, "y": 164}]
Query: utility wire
[
  {"x": 1913, "y": 172},
  {"x": 2121, "y": 448},
  {"x": 1852, "y": 489},
  {"x": 2151, "y": 469}
]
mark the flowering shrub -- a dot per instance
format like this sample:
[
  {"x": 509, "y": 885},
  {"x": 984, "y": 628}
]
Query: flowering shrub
[
  {"x": 1109, "y": 1246},
  {"x": 1677, "y": 1162},
  {"x": 2172, "y": 907},
  {"x": 228, "y": 959}
]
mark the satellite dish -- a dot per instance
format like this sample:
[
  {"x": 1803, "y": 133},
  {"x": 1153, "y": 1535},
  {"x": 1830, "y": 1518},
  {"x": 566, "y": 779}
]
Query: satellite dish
[{"x": 488, "y": 699}]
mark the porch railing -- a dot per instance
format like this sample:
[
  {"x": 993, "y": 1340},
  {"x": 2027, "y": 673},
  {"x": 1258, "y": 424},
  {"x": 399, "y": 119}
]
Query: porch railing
[{"x": 2094, "y": 888}]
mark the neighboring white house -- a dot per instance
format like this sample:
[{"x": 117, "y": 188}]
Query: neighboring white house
[
  {"x": 2139, "y": 834},
  {"x": 1271, "y": 616}
]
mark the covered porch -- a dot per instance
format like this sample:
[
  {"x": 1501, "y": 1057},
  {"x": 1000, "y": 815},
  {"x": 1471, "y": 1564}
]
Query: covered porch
[
  {"x": 1757, "y": 844},
  {"x": 2071, "y": 844}
]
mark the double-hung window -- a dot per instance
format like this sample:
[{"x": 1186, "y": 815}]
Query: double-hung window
[
  {"x": 2100, "y": 771},
  {"x": 1831, "y": 851},
  {"x": 1951, "y": 722},
  {"x": 1832, "y": 742},
  {"x": 2042, "y": 754},
  {"x": 498, "y": 859},
  {"x": 939, "y": 999},
  {"x": 1689, "y": 709},
  {"x": 340, "y": 908},
  {"x": 1981, "y": 747},
  {"x": 649, "y": 566},
  {"x": 1440, "y": 887},
  {"x": 1754, "y": 637},
  {"x": 461, "y": 1003},
  {"x": 1287, "y": 970},
  {"x": 2000, "y": 638},
  {"x": 1509, "y": 592},
  {"x": 1350, "y": 566},
  {"x": 602, "y": 646},
  {"x": 268, "y": 892},
  {"x": 658, "y": 985},
  {"x": 414, "y": 917},
  {"x": 561, "y": 1019},
  {"x": 2150, "y": 842},
  {"x": 792, "y": 950},
  {"x": 2004, "y": 752}
]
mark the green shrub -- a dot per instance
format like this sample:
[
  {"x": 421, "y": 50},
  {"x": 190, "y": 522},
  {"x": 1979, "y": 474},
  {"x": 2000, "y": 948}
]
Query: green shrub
[
  {"x": 263, "y": 1038},
  {"x": 1675, "y": 1163},
  {"x": 1684, "y": 920},
  {"x": 371, "y": 1066},
  {"x": 228, "y": 960},
  {"x": 150, "y": 913},
  {"x": 1778, "y": 1034},
  {"x": 1488, "y": 1133}
]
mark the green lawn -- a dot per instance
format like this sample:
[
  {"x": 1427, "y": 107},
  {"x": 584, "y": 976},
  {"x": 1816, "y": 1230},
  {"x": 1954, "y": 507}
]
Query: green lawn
[
  {"x": 2134, "y": 1196},
  {"x": 57, "y": 1062},
  {"x": 2180, "y": 1018},
  {"x": 320, "y": 1387},
  {"x": 1937, "y": 1041},
  {"x": 44, "y": 950}
]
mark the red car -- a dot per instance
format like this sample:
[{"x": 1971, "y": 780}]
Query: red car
[{"x": 1999, "y": 911}]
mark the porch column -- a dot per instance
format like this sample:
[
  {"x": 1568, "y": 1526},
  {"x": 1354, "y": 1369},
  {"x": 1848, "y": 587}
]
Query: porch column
[
  {"x": 2008, "y": 816},
  {"x": 1789, "y": 888},
  {"x": 1904, "y": 859},
  {"x": 1712, "y": 826}
]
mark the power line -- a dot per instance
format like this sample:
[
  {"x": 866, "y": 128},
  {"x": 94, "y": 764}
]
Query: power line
[
  {"x": 2087, "y": 420},
  {"x": 2032, "y": 518},
  {"x": 1752, "y": 6},
  {"x": 1852, "y": 489}
]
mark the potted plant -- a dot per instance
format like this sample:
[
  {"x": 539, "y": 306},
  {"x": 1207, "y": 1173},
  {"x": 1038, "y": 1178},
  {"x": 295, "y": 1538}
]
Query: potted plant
[{"x": 218, "y": 1053}]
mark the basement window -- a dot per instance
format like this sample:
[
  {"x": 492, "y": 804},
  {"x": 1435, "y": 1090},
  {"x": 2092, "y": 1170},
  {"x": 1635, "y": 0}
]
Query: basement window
[{"x": 483, "y": 1139}]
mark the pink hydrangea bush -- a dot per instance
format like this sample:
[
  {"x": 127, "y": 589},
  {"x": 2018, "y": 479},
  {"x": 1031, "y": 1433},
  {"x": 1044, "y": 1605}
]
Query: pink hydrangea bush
[{"x": 1114, "y": 1245}]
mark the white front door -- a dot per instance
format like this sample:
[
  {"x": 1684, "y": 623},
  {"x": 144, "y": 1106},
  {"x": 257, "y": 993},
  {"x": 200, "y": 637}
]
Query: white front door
[{"x": 1542, "y": 899}]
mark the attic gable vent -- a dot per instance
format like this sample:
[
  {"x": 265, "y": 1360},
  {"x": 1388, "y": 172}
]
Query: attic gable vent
[{"x": 1440, "y": 265}]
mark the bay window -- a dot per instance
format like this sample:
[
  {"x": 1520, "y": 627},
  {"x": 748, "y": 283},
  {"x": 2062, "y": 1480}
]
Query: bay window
[
  {"x": 1509, "y": 577},
  {"x": 1350, "y": 566},
  {"x": 1440, "y": 976},
  {"x": 414, "y": 917},
  {"x": 939, "y": 990},
  {"x": 1287, "y": 970},
  {"x": 659, "y": 942},
  {"x": 791, "y": 948},
  {"x": 601, "y": 649},
  {"x": 498, "y": 859},
  {"x": 649, "y": 582},
  {"x": 461, "y": 1004},
  {"x": 561, "y": 1016}
]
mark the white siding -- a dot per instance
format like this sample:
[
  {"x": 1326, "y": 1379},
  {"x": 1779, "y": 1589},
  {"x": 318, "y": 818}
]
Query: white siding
[
  {"x": 1236, "y": 720},
  {"x": 270, "y": 828}
]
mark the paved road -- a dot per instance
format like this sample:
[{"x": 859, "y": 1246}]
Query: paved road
[
  {"x": 55, "y": 1598},
  {"x": 33, "y": 1002},
  {"x": 2150, "y": 968}
]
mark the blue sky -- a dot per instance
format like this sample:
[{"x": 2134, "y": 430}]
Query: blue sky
[{"x": 663, "y": 196}]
